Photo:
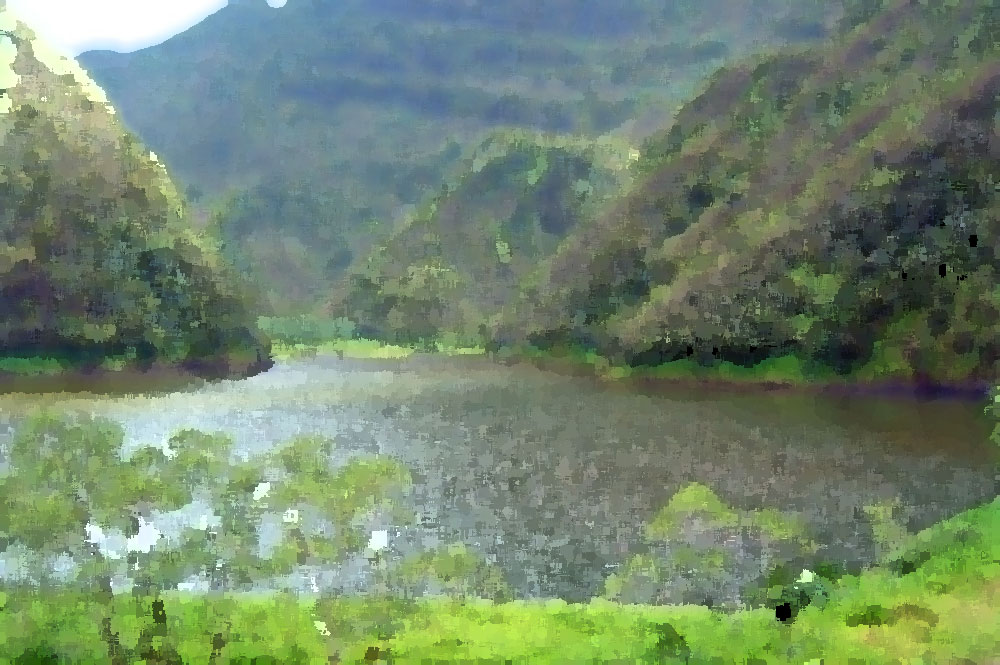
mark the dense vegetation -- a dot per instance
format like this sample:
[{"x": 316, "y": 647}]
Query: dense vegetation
[
  {"x": 311, "y": 129},
  {"x": 98, "y": 262},
  {"x": 833, "y": 208},
  {"x": 836, "y": 204},
  {"x": 74, "y": 493},
  {"x": 829, "y": 210},
  {"x": 466, "y": 253}
]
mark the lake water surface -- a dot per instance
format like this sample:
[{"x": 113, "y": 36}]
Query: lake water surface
[{"x": 552, "y": 477}]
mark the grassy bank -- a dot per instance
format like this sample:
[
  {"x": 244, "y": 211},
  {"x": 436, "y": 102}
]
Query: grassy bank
[
  {"x": 34, "y": 373},
  {"x": 348, "y": 348},
  {"x": 781, "y": 372},
  {"x": 364, "y": 349},
  {"x": 309, "y": 336},
  {"x": 935, "y": 600}
]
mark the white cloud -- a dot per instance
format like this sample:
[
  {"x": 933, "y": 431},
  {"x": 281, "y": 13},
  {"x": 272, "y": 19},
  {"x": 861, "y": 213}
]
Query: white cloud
[{"x": 74, "y": 26}]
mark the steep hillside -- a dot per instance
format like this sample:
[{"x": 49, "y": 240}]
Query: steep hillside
[
  {"x": 839, "y": 204},
  {"x": 97, "y": 259},
  {"x": 355, "y": 110},
  {"x": 466, "y": 253}
]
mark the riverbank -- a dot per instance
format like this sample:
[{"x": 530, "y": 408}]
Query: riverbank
[
  {"x": 308, "y": 336},
  {"x": 365, "y": 349},
  {"x": 783, "y": 374},
  {"x": 123, "y": 375},
  {"x": 935, "y": 599}
]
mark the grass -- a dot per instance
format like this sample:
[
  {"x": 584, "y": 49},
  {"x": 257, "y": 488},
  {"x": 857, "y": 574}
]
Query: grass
[
  {"x": 31, "y": 366},
  {"x": 363, "y": 349},
  {"x": 935, "y": 599},
  {"x": 352, "y": 348},
  {"x": 309, "y": 336},
  {"x": 781, "y": 371},
  {"x": 46, "y": 366}
]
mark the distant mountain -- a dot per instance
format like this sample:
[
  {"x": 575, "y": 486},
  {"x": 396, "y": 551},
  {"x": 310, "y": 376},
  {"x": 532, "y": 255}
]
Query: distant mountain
[
  {"x": 839, "y": 203},
  {"x": 97, "y": 258},
  {"x": 312, "y": 129},
  {"x": 467, "y": 252}
]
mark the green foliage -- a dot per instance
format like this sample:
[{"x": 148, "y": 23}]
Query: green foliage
[
  {"x": 370, "y": 106},
  {"x": 31, "y": 366},
  {"x": 942, "y": 611},
  {"x": 694, "y": 500},
  {"x": 306, "y": 329},
  {"x": 455, "y": 571},
  {"x": 697, "y": 546},
  {"x": 68, "y": 476},
  {"x": 993, "y": 409},
  {"x": 887, "y": 531},
  {"x": 66, "y": 473},
  {"x": 868, "y": 263},
  {"x": 470, "y": 250},
  {"x": 98, "y": 259},
  {"x": 809, "y": 589}
]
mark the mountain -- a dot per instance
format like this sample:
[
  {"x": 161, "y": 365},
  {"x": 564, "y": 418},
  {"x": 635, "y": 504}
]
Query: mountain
[
  {"x": 97, "y": 258},
  {"x": 837, "y": 204},
  {"x": 466, "y": 253},
  {"x": 310, "y": 131}
]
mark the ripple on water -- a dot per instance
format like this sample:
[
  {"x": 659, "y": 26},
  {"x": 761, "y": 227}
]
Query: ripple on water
[{"x": 553, "y": 477}]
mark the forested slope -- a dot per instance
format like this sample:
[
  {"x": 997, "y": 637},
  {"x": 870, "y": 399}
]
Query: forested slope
[
  {"x": 839, "y": 204},
  {"x": 468, "y": 251},
  {"x": 312, "y": 128},
  {"x": 97, "y": 258}
]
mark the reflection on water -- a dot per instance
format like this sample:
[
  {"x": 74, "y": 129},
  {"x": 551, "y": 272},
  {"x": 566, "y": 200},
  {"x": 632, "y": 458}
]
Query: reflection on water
[{"x": 552, "y": 477}]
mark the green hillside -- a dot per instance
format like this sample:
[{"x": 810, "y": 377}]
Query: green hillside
[
  {"x": 313, "y": 129},
  {"x": 837, "y": 204},
  {"x": 98, "y": 261},
  {"x": 466, "y": 253}
]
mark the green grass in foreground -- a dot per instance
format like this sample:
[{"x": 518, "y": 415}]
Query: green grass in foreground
[{"x": 934, "y": 600}]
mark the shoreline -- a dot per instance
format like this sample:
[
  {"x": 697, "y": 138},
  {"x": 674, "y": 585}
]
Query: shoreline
[
  {"x": 660, "y": 379},
  {"x": 127, "y": 380},
  {"x": 646, "y": 379}
]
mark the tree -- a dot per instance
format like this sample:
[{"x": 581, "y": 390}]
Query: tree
[
  {"x": 452, "y": 570},
  {"x": 69, "y": 480},
  {"x": 701, "y": 548}
]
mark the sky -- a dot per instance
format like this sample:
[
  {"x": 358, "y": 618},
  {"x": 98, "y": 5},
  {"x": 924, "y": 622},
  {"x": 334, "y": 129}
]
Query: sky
[{"x": 75, "y": 26}]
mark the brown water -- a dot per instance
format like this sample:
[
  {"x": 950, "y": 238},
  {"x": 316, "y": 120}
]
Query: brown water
[{"x": 552, "y": 477}]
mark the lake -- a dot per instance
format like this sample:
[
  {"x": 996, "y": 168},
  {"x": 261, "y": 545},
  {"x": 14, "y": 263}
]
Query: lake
[{"x": 552, "y": 477}]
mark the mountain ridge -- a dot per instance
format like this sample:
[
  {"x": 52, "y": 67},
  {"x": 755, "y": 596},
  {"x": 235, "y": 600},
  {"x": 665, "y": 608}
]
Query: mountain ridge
[
  {"x": 363, "y": 108},
  {"x": 833, "y": 204},
  {"x": 794, "y": 184}
]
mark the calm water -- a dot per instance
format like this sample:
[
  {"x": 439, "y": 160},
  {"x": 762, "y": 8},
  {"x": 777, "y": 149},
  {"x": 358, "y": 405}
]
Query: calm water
[{"x": 552, "y": 477}]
